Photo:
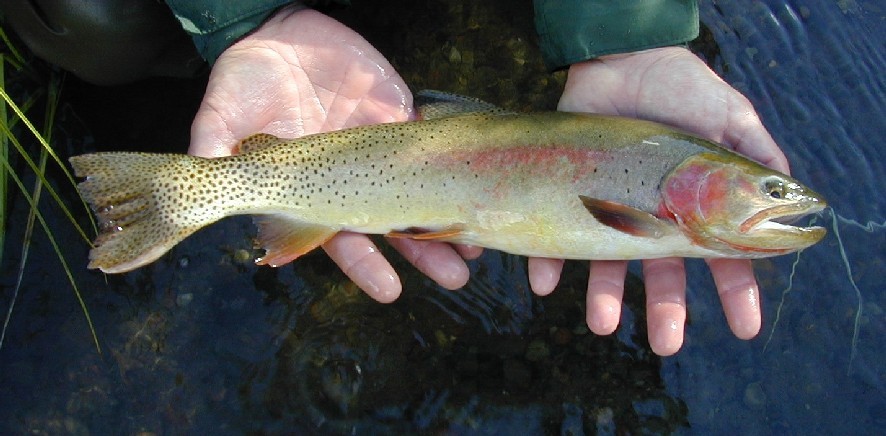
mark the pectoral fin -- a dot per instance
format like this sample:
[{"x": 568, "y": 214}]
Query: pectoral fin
[
  {"x": 284, "y": 239},
  {"x": 445, "y": 234},
  {"x": 625, "y": 218},
  {"x": 256, "y": 142}
]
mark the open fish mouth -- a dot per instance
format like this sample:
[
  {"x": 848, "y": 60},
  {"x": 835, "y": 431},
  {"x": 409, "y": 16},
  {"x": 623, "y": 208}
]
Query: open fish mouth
[{"x": 780, "y": 219}]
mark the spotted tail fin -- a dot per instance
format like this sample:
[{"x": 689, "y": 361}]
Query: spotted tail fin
[{"x": 140, "y": 214}]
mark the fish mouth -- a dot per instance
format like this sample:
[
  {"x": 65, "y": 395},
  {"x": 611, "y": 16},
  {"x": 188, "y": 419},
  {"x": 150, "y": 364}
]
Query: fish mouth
[{"x": 779, "y": 219}]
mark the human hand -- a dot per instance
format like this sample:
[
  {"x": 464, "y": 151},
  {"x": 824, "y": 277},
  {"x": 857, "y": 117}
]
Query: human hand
[
  {"x": 672, "y": 86},
  {"x": 304, "y": 73}
]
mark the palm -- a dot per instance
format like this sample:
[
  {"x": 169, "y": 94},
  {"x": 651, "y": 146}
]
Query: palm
[
  {"x": 290, "y": 80},
  {"x": 673, "y": 86}
]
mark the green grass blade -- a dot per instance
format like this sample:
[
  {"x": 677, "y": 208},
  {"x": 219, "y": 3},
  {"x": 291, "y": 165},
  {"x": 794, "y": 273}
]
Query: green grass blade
[
  {"x": 57, "y": 249},
  {"x": 17, "y": 56},
  {"x": 25, "y": 107},
  {"x": 33, "y": 199},
  {"x": 36, "y": 134},
  {"x": 5, "y": 130},
  {"x": 26, "y": 246},
  {"x": 4, "y": 156},
  {"x": 7, "y": 125}
]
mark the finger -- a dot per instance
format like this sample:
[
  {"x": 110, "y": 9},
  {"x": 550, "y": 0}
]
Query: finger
[
  {"x": 437, "y": 260},
  {"x": 606, "y": 287},
  {"x": 665, "y": 303},
  {"x": 544, "y": 274},
  {"x": 739, "y": 295},
  {"x": 468, "y": 252},
  {"x": 747, "y": 135},
  {"x": 363, "y": 263},
  {"x": 758, "y": 144},
  {"x": 210, "y": 135}
]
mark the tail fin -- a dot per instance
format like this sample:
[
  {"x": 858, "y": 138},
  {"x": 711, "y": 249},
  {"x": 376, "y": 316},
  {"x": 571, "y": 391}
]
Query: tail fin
[{"x": 139, "y": 218}]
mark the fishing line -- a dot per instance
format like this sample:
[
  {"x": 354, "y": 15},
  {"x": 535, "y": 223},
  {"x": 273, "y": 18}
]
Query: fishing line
[
  {"x": 784, "y": 295},
  {"x": 786, "y": 291},
  {"x": 868, "y": 227}
]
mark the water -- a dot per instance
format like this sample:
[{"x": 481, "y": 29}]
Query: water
[{"x": 203, "y": 340}]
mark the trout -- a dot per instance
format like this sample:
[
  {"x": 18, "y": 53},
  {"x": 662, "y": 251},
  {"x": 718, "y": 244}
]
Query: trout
[{"x": 548, "y": 184}]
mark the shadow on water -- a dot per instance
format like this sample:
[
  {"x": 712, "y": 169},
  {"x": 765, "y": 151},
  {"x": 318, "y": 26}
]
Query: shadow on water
[{"x": 204, "y": 340}]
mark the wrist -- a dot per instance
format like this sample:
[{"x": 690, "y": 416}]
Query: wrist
[{"x": 650, "y": 52}]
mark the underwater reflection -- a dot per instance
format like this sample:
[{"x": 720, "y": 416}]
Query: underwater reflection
[{"x": 489, "y": 356}]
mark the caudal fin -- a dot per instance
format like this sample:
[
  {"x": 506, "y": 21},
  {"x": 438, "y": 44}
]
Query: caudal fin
[{"x": 137, "y": 220}]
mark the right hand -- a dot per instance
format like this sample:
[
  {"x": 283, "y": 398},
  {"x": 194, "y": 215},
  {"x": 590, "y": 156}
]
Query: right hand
[
  {"x": 673, "y": 86},
  {"x": 304, "y": 73}
]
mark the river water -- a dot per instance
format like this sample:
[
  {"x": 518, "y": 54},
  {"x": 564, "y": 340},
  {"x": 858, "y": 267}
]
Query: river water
[{"x": 203, "y": 340}]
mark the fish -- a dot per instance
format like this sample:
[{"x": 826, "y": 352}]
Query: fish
[{"x": 541, "y": 184}]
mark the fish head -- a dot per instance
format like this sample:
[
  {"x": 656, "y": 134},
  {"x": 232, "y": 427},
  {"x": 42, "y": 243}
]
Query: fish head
[{"x": 736, "y": 206}]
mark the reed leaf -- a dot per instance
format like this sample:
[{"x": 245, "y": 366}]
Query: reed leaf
[
  {"x": 7, "y": 172},
  {"x": 27, "y": 158},
  {"x": 35, "y": 212}
]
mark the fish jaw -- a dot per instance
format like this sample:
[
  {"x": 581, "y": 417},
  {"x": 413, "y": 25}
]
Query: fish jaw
[{"x": 733, "y": 205}]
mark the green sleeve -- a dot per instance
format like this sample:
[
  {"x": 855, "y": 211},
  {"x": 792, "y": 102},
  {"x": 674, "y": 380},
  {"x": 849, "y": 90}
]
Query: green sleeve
[
  {"x": 572, "y": 31},
  {"x": 215, "y": 24}
]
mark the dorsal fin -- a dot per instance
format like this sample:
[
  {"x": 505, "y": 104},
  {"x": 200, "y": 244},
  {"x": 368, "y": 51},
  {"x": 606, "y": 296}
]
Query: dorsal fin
[
  {"x": 433, "y": 105},
  {"x": 259, "y": 141}
]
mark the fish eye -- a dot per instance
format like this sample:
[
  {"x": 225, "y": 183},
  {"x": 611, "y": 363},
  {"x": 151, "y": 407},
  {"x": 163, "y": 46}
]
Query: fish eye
[{"x": 774, "y": 188}]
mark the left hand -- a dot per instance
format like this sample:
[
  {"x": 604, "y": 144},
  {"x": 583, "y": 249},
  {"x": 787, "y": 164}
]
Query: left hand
[{"x": 672, "y": 86}]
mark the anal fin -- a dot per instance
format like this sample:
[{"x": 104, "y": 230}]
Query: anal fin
[
  {"x": 625, "y": 218},
  {"x": 284, "y": 239}
]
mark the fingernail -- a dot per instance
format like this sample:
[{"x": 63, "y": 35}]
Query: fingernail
[
  {"x": 381, "y": 286},
  {"x": 604, "y": 319},
  {"x": 670, "y": 339},
  {"x": 451, "y": 275}
]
